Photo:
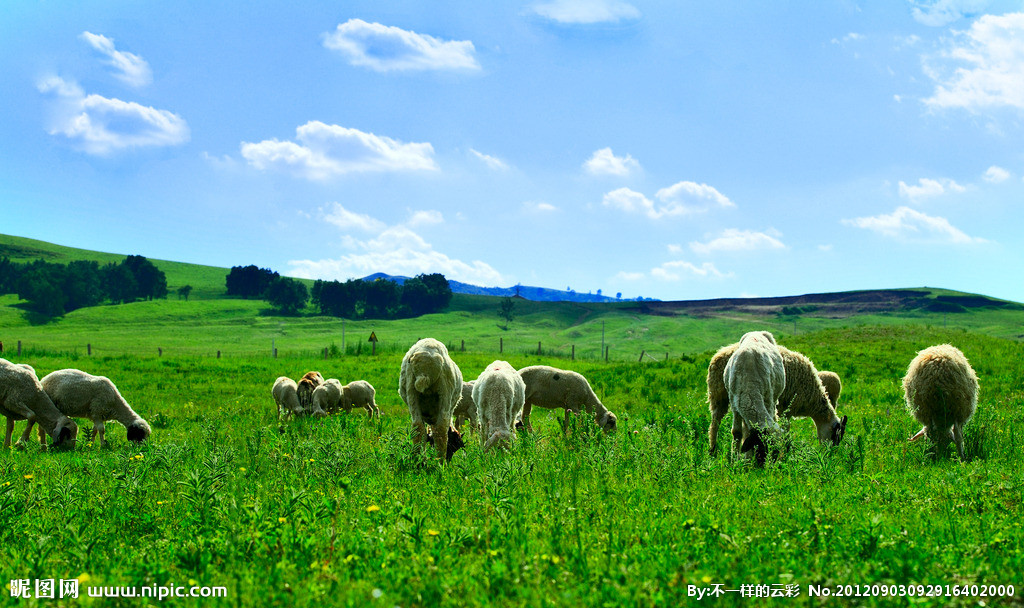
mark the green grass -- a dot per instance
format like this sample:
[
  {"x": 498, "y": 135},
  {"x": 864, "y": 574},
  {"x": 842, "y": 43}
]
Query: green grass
[{"x": 280, "y": 514}]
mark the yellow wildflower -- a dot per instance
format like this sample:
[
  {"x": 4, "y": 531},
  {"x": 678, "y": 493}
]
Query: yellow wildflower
[
  {"x": 372, "y": 509},
  {"x": 433, "y": 532}
]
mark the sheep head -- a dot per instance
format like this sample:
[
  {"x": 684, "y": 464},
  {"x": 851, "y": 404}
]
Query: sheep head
[
  {"x": 838, "y": 431},
  {"x": 455, "y": 442},
  {"x": 608, "y": 421},
  {"x": 65, "y": 434},
  {"x": 755, "y": 442},
  {"x": 138, "y": 431}
]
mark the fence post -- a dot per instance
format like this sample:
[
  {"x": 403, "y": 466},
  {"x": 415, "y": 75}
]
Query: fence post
[
  {"x": 538, "y": 347},
  {"x": 642, "y": 355},
  {"x": 325, "y": 353},
  {"x": 606, "y": 349},
  {"x": 666, "y": 355},
  {"x": 88, "y": 349},
  {"x": 501, "y": 345},
  {"x": 218, "y": 354},
  {"x": 159, "y": 351},
  {"x": 19, "y": 348},
  {"x": 463, "y": 349},
  {"x": 573, "y": 352},
  {"x": 374, "y": 349}
]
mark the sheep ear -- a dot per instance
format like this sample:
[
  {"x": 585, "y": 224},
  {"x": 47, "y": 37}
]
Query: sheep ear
[{"x": 838, "y": 431}]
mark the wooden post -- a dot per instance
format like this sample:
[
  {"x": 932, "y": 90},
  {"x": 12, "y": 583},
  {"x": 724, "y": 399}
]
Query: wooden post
[
  {"x": 19, "y": 348},
  {"x": 275, "y": 352},
  {"x": 463, "y": 349},
  {"x": 606, "y": 349},
  {"x": 325, "y": 352},
  {"x": 538, "y": 347},
  {"x": 373, "y": 351},
  {"x": 159, "y": 351},
  {"x": 501, "y": 345},
  {"x": 88, "y": 349},
  {"x": 573, "y": 352},
  {"x": 642, "y": 355},
  {"x": 666, "y": 355},
  {"x": 218, "y": 354}
]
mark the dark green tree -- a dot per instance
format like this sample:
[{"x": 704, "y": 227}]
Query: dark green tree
[
  {"x": 249, "y": 281},
  {"x": 507, "y": 310},
  {"x": 184, "y": 291},
  {"x": 287, "y": 295}
]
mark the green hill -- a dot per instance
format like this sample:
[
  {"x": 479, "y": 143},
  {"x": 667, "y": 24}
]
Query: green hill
[{"x": 212, "y": 322}]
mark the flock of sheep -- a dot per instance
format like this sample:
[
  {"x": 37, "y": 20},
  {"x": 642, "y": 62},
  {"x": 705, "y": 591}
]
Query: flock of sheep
[{"x": 756, "y": 379}]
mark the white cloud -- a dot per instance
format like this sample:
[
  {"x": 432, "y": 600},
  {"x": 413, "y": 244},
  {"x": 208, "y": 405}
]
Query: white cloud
[
  {"x": 131, "y": 69},
  {"x": 938, "y": 13},
  {"x": 492, "y": 162},
  {"x": 324, "y": 151},
  {"x": 539, "y": 207},
  {"x": 586, "y": 12},
  {"x": 677, "y": 270},
  {"x": 929, "y": 188},
  {"x": 604, "y": 162},
  {"x": 385, "y": 48},
  {"x": 996, "y": 174},
  {"x": 682, "y": 198},
  {"x": 983, "y": 67},
  {"x": 101, "y": 125},
  {"x": 629, "y": 276},
  {"x": 675, "y": 249},
  {"x": 851, "y": 37},
  {"x": 396, "y": 250},
  {"x": 910, "y": 225},
  {"x": 733, "y": 240}
]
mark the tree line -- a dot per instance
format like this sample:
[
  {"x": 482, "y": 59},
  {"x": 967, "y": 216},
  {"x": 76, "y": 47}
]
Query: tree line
[{"x": 54, "y": 289}]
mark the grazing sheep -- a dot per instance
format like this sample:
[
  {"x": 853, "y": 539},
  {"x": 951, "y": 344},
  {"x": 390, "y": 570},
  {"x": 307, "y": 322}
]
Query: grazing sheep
[
  {"x": 800, "y": 399},
  {"x": 499, "y": 394},
  {"x": 466, "y": 409},
  {"x": 558, "y": 388},
  {"x": 430, "y": 383},
  {"x": 332, "y": 396},
  {"x": 286, "y": 397},
  {"x": 22, "y": 398},
  {"x": 306, "y": 386},
  {"x": 76, "y": 393},
  {"x": 755, "y": 378},
  {"x": 833, "y": 386},
  {"x": 941, "y": 392},
  {"x": 328, "y": 396}
]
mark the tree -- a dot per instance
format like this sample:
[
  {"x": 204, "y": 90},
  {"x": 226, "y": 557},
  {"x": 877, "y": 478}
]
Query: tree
[
  {"x": 506, "y": 311},
  {"x": 287, "y": 295},
  {"x": 249, "y": 281},
  {"x": 150, "y": 281},
  {"x": 41, "y": 284},
  {"x": 9, "y": 272},
  {"x": 184, "y": 291},
  {"x": 118, "y": 282},
  {"x": 82, "y": 285},
  {"x": 382, "y": 299}
]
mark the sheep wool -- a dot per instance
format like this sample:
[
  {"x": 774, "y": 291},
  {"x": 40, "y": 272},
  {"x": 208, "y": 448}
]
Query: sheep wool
[
  {"x": 755, "y": 378},
  {"x": 328, "y": 396},
  {"x": 499, "y": 393},
  {"x": 833, "y": 386},
  {"x": 82, "y": 395},
  {"x": 22, "y": 398},
  {"x": 308, "y": 384},
  {"x": 286, "y": 396},
  {"x": 941, "y": 391},
  {"x": 466, "y": 409},
  {"x": 360, "y": 393},
  {"x": 430, "y": 384},
  {"x": 554, "y": 388}
]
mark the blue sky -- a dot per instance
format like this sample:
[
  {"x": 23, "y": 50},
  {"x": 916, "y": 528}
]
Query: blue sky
[{"x": 676, "y": 150}]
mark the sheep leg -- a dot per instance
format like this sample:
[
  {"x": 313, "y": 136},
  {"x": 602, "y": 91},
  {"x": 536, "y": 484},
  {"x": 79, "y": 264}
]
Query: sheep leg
[
  {"x": 10, "y": 432},
  {"x": 738, "y": 432},
  {"x": 419, "y": 431},
  {"x": 958, "y": 437},
  {"x": 440, "y": 432},
  {"x": 565, "y": 423},
  {"x": 716, "y": 423},
  {"x": 99, "y": 428},
  {"x": 527, "y": 408},
  {"x": 27, "y": 435}
]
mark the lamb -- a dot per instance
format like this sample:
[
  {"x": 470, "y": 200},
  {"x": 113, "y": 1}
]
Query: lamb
[
  {"x": 941, "y": 391},
  {"x": 755, "y": 378},
  {"x": 800, "y": 399},
  {"x": 466, "y": 409},
  {"x": 499, "y": 393},
  {"x": 76, "y": 393},
  {"x": 306, "y": 386},
  {"x": 286, "y": 397},
  {"x": 558, "y": 388},
  {"x": 430, "y": 383},
  {"x": 22, "y": 398},
  {"x": 833, "y": 386},
  {"x": 331, "y": 396}
]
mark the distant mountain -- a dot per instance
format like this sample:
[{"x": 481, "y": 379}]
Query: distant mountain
[{"x": 537, "y": 294}]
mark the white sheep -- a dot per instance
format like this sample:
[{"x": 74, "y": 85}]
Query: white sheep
[
  {"x": 430, "y": 383},
  {"x": 555, "y": 388},
  {"x": 755, "y": 378},
  {"x": 332, "y": 396},
  {"x": 81, "y": 395},
  {"x": 466, "y": 409},
  {"x": 22, "y": 398},
  {"x": 286, "y": 397},
  {"x": 833, "y": 386},
  {"x": 941, "y": 391},
  {"x": 801, "y": 398},
  {"x": 499, "y": 393}
]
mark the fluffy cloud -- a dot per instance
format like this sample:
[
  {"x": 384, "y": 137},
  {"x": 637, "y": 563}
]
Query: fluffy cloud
[
  {"x": 733, "y": 240},
  {"x": 385, "y": 48},
  {"x": 539, "y": 207},
  {"x": 677, "y": 270},
  {"x": 131, "y": 69},
  {"x": 324, "y": 151},
  {"x": 910, "y": 225},
  {"x": 101, "y": 125},
  {"x": 492, "y": 162},
  {"x": 929, "y": 188},
  {"x": 937, "y": 13},
  {"x": 995, "y": 175},
  {"x": 396, "y": 250},
  {"x": 682, "y": 198},
  {"x": 983, "y": 67},
  {"x": 604, "y": 162},
  {"x": 586, "y": 12}
]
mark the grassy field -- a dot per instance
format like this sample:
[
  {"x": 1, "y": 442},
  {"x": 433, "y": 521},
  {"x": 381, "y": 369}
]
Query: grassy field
[{"x": 345, "y": 509}]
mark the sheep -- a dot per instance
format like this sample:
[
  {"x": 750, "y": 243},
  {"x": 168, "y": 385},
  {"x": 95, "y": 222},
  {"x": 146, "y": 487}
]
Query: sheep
[
  {"x": 755, "y": 378},
  {"x": 331, "y": 396},
  {"x": 499, "y": 393},
  {"x": 800, "y": 399},
  {"x": 941, "y": 391},
  {"x": 22, "y": 398},
  {"x": 76, "y": 393},
  {"x": 430, "y": 384},
  {"x": 466, "y": 409},
  {"x": 286, "y": 397},
  {"x": 833, "y": 386},
  {"x": 306, "y": 386},
  {"x": 558, "y": 388}
]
